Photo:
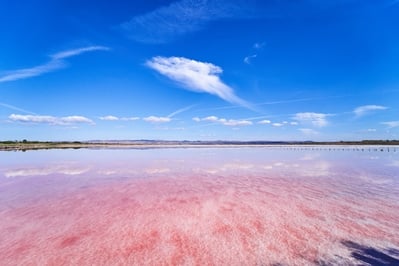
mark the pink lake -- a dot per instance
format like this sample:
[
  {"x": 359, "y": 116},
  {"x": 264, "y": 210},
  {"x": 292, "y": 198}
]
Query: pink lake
[{"x": 200, "y": 206}]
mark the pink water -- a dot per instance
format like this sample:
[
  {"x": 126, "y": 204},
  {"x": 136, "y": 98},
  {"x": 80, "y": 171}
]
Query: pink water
[{"x": 236, "y": 206}]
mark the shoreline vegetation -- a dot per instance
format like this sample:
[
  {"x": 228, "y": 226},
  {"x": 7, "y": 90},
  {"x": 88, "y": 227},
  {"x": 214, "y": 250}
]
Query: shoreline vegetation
[{"x": 25, "y": 145}]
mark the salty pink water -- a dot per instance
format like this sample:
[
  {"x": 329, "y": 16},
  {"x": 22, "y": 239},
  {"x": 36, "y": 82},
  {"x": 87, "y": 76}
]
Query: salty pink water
[{"x": 237, "y": 206}]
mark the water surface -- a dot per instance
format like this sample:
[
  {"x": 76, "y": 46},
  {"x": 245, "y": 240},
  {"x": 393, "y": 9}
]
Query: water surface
[{"x": 205, "y": 206}]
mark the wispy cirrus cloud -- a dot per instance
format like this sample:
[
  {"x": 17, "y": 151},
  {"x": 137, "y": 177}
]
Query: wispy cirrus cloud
[
  {"x": 196, "y": 76},
  {"x": 391, "y": 124},
  {"x": 315, "y": 119},
  {"x": 51, "y": 120},
  {"x": 179, "y": 111},
  {"x": 166, "y": 23},
  {"x": 224, "y": 121},
  {"x": 32, "y": 72},
  {"x": 259, "y": 45},
  {"x": 74, "y": 52},
  {"x": 367, "y": 109},
  {"x": 56, "y": 62},
  {"x": 248, "y": 59},
  {"x": 15, "y": 108}
]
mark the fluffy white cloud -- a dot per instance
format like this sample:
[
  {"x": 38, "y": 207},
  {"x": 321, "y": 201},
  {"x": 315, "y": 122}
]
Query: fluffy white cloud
[
  {"x": 264, "y": 122},
  {"x": 224, "y": 121},
  {"x": 211, "y": 118},
  {"x": 195, "y": 76},
  {"x": 363, "y": 110},
  {"x": 157, "y": 119},
  {"x": 391, "y": 124},
  {"x": 315, "y": 119},
  {"x": 52, "y": 120}
]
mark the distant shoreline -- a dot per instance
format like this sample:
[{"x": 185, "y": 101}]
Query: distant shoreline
[{"x": 27, "y": 145}]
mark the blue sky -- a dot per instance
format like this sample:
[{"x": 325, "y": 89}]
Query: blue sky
[{"x": 199, "y": 70}]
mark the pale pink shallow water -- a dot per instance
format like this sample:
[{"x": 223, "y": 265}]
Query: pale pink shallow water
[{"x": 237, "y": 206}]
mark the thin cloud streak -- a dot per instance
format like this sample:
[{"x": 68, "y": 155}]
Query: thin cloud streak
[
  {"x": 74, "y": 52},
  {"x": 278, "y": 102},
  {"x": 15, "y": 108},
  {"x": 181, "y": 110},
  {"x": 366, "y": 109},
  {"x": 248, "y": 59},
  {"x": 32, "y": 72},
  {"x": 196, "y": 76},
  {"x": 57, "y": 62}
]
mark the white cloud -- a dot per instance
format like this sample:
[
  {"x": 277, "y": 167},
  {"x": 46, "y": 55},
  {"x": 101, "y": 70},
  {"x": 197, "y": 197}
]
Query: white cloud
[
  {"x": 277, "y": 124},
  {"x": 157, "y": 119},
  {"x": 264, "y": 122},
  {"x": 75, "y": 119},
  {"x": 224, "y": 121},
  {"x": 57, "y": 62},
  {"x": 181, "y": 17},
  {"x": 132, "y": 118},
  {"x": 233, "y": 122},
  {"x": 73, "y": 52},
  {"x": 248, "y": 59},
  {"x": 294, "y": 123},
  {"x": 195, "y": 76},
  {"x": 211, "y": 118},
  {"x": 109, "y": 118},
  {"x": 259, "y": 45},
  {"x": 391, "y": 124},
  {"x": 363, "y": 110},
  {"x": 52, "y": 120},
  {"x": 315, "y": 119},
  {"x": 115, "y": 118},
  {"x": 308, "y": 131}
]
